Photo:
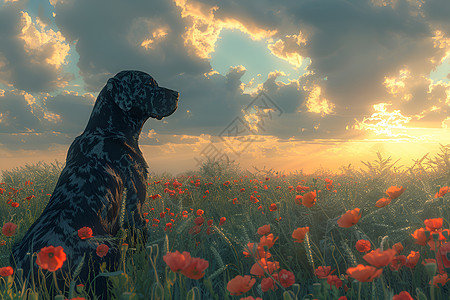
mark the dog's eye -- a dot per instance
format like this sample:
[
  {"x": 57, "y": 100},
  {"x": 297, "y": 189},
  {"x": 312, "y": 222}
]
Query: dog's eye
[{"x": 153, "y": 82}]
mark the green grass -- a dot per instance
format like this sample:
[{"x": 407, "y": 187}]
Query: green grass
[{"x": 145, "y": 275}]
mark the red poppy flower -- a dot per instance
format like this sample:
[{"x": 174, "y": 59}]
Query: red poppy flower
[
  {"x": 6, "y": 271},
  {"x": 309, "y": 199},
  {"x": 364, "y": 273},
  {"x": 433, "y": 224},
  {"x": 51, "y": 258},
  {"x": 440, "y": 278},
  {"x": 323, "y": 271},
  {"x": 363, "y": 245},
  {"x": 240, "y": 285},
  {"x": 267, "y": 240},
  {"x": 85, "y": 233},
  {"x": 420, "y": 237},
  {"x": 298, "y": 199},
  {"x": 412, "y": 259},
  {"x": 398, "y": 247},
  {"x": 176, "y": 260},
  {"x": 286, "y": 278},
  {"x": 383, "y": 202},
  {"x": 350, "y": 218},
  {"x": 268, "y": 284},
  {"x": 299, "y": 234},
  {"x": 102, "y": 250},
  {"x": 262, "y": 265},
  {"x": 263, "y": 230},
  {"x": 273, "y": 207},
  {"x": 334, "y": 280},
  {"x": 199, "y": 221},
  {"x": 442, "y": 191},
  {"x": 397, "y": 262},
  {"x": 403, "y": 296},
  {"x": 9, "y": 229},
  {"x": 442, "y": 257},
  {"x": 395, "y": 191},
  {"x": 222, "y": 221},
  {"x": 195, "y": 268},
  {"x": 380, "y": 259}
]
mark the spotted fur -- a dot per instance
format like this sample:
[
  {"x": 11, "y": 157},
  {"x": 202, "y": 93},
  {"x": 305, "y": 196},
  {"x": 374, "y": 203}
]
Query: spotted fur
[{"x": 102, "y": 163}]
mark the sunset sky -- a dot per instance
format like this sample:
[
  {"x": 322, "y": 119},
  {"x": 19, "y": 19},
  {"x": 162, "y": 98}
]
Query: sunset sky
[{"x": 311, "y": 83}]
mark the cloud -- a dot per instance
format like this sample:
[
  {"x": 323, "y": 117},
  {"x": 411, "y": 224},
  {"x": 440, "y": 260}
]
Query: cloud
[
  {"x": 17, "y": 112},
  {"x": 31, "y": 55},
  {"x": 68, "y": 112}
]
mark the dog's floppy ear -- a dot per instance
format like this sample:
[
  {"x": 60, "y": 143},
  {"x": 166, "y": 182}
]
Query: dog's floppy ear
[{"x": 120, "y": 92}]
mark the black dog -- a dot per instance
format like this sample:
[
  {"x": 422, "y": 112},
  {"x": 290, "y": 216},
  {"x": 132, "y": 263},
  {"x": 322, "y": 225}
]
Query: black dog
[{"x": 101, "y": 163}]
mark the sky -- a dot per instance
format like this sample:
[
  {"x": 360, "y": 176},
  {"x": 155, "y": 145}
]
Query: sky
[{"x": 284, "y": 85}]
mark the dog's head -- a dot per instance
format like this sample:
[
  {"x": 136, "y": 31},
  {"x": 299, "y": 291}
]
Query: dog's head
[{"x": 139, "y": 96}]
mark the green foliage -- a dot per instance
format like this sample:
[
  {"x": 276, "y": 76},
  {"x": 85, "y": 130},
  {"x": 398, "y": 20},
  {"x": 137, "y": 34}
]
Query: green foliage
[{"x": 143, "y": 273}]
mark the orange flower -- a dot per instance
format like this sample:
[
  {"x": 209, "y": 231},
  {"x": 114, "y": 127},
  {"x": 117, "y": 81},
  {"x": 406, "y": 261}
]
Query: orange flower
[
  {"x": 263, "y": 230},
  {"x": 433, "y": 224},
  {"x": 309, "y": 199},
  {"x": 273, "y": 207},
  {"x": 6, "y": 271},
  {"x": 350, "y": 218},
  {"x": 51, "y": 258},
  {"x": 195, "y": 268},
  {"x": 383, "y": 202},
  {"x": 222, "y": 220},
  {"x": 395, "y": 191},
  {"x": 363, "y": 245},
  {"x": 443, "y": 190},
  {"x": 364, "y": 273},
  {"x": 420, "y": 237},
  {"x": 262, "y": 265},
  {"x": 403, "y": 296},
  {"x": 299, "y": 234},
  {"x": 380, "y": 259},
  {"x": 440, "y": 278},
  {"x": 239, "y": 285},
  {"x": 199, "y": 212},
  {"x": 398, "y": 247},
  {"x": 176, "y": 260},
  {"x": 102, "y": 250},
  {"x": 85, "y": 233},
  {"x": 412, "y": 259},
  {"x": 298, "y": 199},
  {"x": 9, "y": 229},
  {"x": 323, "y": 271},
  {"x": 267, "y": 241},
  {"x": 442, "y": 257}
]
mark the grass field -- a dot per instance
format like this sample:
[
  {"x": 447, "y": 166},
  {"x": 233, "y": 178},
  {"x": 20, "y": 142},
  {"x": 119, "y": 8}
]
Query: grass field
[{"x": 268, "y": 235}]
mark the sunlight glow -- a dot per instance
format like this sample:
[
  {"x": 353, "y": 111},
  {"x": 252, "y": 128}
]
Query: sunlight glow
[{"x": 383, "y": 122}]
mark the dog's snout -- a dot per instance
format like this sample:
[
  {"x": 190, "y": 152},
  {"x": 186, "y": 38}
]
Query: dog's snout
[{"x": 172, "y": 94}]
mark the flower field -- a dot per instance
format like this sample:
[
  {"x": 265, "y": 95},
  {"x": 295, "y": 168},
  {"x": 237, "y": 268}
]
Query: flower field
[{"x": 380, "y": 232}]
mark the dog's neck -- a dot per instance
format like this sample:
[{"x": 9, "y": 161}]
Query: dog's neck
[{"x": 116, "y": 123}]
